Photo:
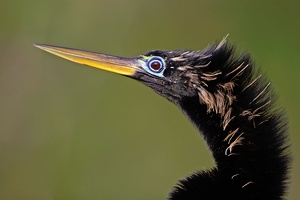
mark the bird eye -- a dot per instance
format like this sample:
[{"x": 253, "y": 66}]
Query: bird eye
[{"x": 156, "y": 64}]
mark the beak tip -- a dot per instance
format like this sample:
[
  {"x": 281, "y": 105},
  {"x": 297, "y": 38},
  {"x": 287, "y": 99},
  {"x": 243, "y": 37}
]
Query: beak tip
[{"x": 40, "y": 46}]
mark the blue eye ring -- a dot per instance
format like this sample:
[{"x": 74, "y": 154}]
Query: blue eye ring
[{"x": 156, "y": 64}]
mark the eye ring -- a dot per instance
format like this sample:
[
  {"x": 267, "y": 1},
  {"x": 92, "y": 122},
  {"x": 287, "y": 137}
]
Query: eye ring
[{"x": 156, "y": 64}]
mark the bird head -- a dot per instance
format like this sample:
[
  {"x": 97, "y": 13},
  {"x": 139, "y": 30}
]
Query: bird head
[{"x": 172, "y": 74}]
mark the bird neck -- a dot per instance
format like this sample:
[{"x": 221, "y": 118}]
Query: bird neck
[
  {"x": 248, "y": 148},
  {"x": 207, "y": 123}
]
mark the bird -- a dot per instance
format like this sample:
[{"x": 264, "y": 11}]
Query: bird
[{"x": 229, "y": 101}]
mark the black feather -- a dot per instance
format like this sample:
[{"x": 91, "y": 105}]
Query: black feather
[{"x": 256, "y": 167}]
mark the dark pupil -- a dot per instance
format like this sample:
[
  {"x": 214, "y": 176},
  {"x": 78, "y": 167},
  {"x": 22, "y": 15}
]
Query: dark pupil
[{"x": 155, "y": 65}]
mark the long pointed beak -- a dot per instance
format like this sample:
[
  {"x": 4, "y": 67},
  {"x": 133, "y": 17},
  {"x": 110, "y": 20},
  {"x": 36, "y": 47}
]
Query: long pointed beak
[{"x": 119, "y": 65}]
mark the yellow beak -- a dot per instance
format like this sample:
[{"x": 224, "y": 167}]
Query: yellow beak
[{"x": 119, "y": 65}]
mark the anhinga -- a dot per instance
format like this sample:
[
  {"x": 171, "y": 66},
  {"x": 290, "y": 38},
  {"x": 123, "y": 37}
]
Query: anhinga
[{"x": 228, "y": 101}]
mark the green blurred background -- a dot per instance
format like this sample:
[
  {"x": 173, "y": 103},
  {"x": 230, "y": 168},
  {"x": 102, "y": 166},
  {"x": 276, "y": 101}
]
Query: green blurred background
[{"x": 73, "y": 132}]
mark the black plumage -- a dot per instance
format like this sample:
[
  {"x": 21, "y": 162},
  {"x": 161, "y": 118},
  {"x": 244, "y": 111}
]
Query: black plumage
[{"x": 232, "y": 105}]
